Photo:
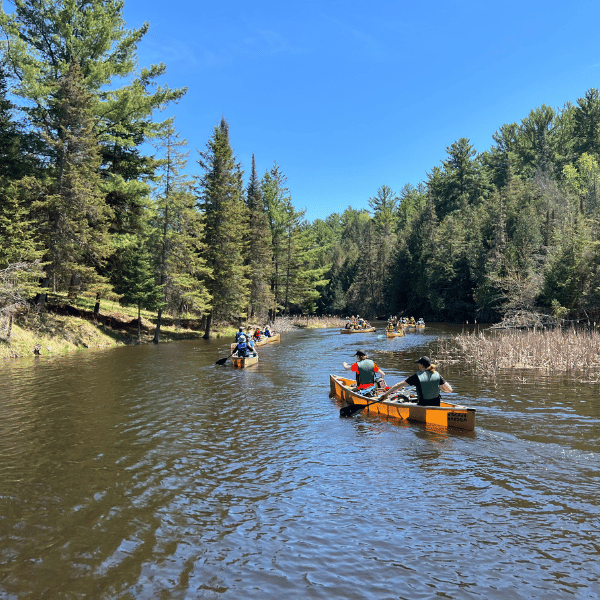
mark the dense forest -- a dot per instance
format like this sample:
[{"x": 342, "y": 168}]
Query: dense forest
[{"x": 100, "y": 198}]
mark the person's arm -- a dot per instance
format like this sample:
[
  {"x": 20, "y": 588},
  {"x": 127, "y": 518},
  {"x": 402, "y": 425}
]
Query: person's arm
[
  {"x": 347, "y": 366},
  {"x": 446, "y": 387},
  {"x": 378, "y": 370},
  {"x": 395, "y": 387}
]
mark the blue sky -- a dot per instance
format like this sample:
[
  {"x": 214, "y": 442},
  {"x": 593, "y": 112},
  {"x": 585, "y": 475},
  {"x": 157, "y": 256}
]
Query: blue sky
[{"x": 349, "y": 96}]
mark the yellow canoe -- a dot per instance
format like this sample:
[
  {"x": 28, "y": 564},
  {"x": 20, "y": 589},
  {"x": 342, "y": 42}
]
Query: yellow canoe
[
  {"x": 393, "y": 334},
  {"x": 367, "y": 330},
  {"x": 446, "y": 415},
  {"x": 240, "y": 362}
]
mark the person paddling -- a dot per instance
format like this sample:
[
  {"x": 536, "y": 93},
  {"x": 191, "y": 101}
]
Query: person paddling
[
  {"x": 365, "y": 370},
  {"x": 427, "y": 381},
  {"x": 244, "y": 348}
]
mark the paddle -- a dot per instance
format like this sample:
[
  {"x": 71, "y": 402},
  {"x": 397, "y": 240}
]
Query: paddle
[
  {"x": 222, "y": 361},
  {"x": 352, "y": 409}
]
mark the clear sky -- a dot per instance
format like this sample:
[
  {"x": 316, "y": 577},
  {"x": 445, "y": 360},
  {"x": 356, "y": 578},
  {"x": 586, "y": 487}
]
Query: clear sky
[{"x": 349, "y": 95}]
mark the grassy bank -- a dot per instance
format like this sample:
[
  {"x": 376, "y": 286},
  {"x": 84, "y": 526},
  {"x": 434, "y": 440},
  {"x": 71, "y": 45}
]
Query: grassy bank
[
  {"x": 571, "y": 351},
  {"x": 69, "y": 327}
]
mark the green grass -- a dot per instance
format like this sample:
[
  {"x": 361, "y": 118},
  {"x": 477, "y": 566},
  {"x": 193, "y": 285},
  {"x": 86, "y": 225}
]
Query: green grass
[{"x": 50, "y": 333}]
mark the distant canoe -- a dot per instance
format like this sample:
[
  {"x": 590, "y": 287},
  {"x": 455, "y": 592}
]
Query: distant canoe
[
  {"x": 368, "y": 330},
  {"x": 240, "y": 362},
  {"x": 274, "y": 338},
  {"x": 446, "y": 415},
  {"x": 393, "y": 334}
]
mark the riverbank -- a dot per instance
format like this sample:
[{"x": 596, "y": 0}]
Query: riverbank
[
  {"x": 64, "y": 328},
  {"x": 67, "y": 329}
]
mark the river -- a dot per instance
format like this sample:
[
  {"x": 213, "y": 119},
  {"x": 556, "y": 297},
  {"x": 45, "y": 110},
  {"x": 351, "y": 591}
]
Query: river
[{"x": 150, "y": 472}]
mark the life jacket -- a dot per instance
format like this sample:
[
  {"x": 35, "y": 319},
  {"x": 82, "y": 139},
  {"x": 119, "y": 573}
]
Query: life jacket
[
  {"x": 237, "y": 335},
  {"x": 242, "y": 349},
  {"x": 366, "y": 372},
  {"x": 429, "y": 385}
]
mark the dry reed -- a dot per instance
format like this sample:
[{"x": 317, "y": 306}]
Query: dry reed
[
  {"x": 553, "y": 350},
  {"x": 308, "y": 321}
]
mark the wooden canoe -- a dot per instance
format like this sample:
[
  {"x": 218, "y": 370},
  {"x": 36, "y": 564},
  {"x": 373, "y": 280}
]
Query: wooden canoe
[
  {"x": 274, "y": 338},
  {"x": 240, "y": 362},
  {"x": 446, "y": 415},
  {"x": 367, "y": 330},
  {"x": 393, "y": 334}
]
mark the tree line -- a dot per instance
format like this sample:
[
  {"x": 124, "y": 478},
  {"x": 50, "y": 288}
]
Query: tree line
[
  {"x": 96, "y": 199},
  {"x": 513, "y": 229}
]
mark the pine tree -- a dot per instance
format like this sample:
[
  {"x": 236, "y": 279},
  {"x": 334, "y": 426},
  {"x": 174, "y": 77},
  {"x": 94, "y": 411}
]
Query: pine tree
[
  {"x": 178, "y": 234},
  {"x": 42, "y": 40},
  {"x": 226, "y": 227},
  {"x": 260, "y": 256},
  {"x": 137, "y": 282},
  {"x": 74, "y": 209}
]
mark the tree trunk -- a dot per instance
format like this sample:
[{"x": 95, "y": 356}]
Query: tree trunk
[
  {"x": 157, "y": 330},
  {"x": 97, "y": 307},
  {"x": 206, "y": 335},
  {"x": 139, "y": 338},
  {"x": 10, "y": 324}
]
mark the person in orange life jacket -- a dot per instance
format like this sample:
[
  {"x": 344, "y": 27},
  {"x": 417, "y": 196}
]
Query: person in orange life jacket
[
  {"x": 365, "y": 370},
  {"x": 427, "y": 381}
]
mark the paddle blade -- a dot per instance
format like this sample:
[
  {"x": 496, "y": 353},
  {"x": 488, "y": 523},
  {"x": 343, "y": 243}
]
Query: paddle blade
[
  {"x": 222, "y": 361},
  {"x": 351, "y": 409}
]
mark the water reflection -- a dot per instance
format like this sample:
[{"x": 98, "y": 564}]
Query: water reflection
[{"x": 152, "y": 472}]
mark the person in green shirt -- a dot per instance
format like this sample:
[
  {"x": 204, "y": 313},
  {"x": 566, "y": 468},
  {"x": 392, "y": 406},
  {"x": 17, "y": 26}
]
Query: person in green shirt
[{"x": 427, "y": 381}]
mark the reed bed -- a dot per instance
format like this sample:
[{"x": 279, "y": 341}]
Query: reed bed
[
  {"x": 307, "y": 321},
  {"x": 573, "y": 352}
]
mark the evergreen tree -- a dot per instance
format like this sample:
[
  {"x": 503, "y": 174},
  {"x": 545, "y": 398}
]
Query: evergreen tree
[
  {"x": 260, "y": 256},
  {"x": 42, "y": 40},
  {"x": 178, "y": 230},
  {"x": 296, "y": 273},
  {"x": 226, "y": 225},
  {"x": 384, "y": 206},
  {"x": 73, "y": 215},
  {"x": 587, "y": 124},
  {"x": 461, "y": 179},
  {"x": 137, "y": 282}
]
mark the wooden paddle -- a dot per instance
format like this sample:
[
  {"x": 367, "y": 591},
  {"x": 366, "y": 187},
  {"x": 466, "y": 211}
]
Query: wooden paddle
[{"x": 352, "y": 409}]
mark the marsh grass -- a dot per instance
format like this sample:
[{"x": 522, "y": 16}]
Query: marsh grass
[
  {"x": 575, "y": 352},
  {"x": 314, "y": 322}
]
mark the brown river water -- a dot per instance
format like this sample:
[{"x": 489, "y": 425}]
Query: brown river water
[{"x": 152, "y": 473}]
